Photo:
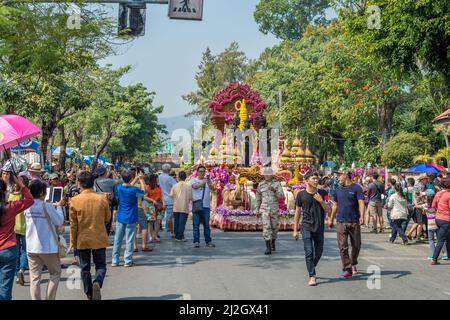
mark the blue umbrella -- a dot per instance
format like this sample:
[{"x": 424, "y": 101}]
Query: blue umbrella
[
  {"x": 329, "y": 164},
  {"x": 423, "y": 168}
]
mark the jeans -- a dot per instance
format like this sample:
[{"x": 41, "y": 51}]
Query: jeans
[
  {"x": 390, "y": 221},
  {"x": 313, "y": 245},
  {"x": 180, "y": 224},
  {"x": 8, "y": 262},
  {"x": 443, "y": 236},
  {"x": 397, "y": 227},
  {"x": 22, "y": 260},
  {"x": 128, "y": 230},
  {"x": 168, "y": 216},
  {"x": 344, "y": 231},
  {"x": 201, "y": 217},
  {"x": 431, "y": 235},
  {"x": 99, "y": 257}
]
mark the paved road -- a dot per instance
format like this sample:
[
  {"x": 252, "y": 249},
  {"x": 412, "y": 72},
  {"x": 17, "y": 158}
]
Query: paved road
[{"x": 238, "y": 269}]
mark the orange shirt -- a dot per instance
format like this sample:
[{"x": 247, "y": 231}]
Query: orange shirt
[{"x": 154, "y": 194}]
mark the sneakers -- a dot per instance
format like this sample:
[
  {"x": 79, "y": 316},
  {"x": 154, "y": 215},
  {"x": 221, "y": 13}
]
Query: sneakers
[
  {"x": 20, "y": 278},
  {"x": 312, "y": 282},
  {"x": 354, "y": 270},
  {"x": 129, "y": 265},
  {"x": 178, "y": 240},
  {"x": 96, "y": 291},
  {"x": 444, "y": 257},
  {"x": 114, "y": 265},
  {"x": 196, "y": 245},
  {"x": 347, "y": 274},
  {"x": 210, "y": 245}
]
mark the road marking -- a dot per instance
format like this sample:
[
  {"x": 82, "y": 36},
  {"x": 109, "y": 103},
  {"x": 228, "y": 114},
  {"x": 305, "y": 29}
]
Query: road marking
[
  {"x": 186, "y": 296},
  {"x": 373, "y": 262},
  {"x": 179, "y": 262},
  {"x": 447, "y": 293}
]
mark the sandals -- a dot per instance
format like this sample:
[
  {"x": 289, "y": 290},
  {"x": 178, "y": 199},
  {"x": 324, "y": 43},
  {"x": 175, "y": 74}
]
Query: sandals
[{"x": 147, "y": 249}]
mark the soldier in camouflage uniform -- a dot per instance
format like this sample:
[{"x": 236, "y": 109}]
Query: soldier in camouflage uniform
[{"x": 267, "y": 195}]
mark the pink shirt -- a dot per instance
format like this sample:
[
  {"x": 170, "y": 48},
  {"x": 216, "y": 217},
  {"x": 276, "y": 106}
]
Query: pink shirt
[{"x": 442, "y": 203}]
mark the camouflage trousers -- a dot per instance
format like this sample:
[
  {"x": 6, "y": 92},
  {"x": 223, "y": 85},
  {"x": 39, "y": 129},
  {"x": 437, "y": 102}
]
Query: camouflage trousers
[{"x": 270, "y": 224}]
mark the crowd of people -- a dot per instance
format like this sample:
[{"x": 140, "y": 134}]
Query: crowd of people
[{"x": 106, "y": 203}]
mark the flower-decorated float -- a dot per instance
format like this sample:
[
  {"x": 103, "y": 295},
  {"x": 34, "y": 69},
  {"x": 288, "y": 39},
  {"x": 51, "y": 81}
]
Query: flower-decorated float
[{"x": 234, "y": 163}]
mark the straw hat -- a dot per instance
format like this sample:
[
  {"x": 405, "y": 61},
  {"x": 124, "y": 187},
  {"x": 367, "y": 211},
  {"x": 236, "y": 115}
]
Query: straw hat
[
  {"x": 267, "y": 171},
  {"x": 423, "y": 176},
  {"x": 36, "y": 167}
]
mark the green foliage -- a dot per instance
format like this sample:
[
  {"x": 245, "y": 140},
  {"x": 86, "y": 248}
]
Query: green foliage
[
  {"x": 413, "y": 35},
  {"x": 401, "y": 150},
  {"x": 288, "y": 19},
  {"x": 213, "y": 74}
]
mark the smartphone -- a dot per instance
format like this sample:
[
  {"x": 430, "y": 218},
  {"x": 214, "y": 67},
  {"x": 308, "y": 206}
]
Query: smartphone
[{"x": 57, "y": 194}]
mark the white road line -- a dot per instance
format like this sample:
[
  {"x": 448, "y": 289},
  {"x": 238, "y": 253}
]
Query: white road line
[
  {"x": 373, "y": 262},
  {"x": 186, "y": 296},
  {"x": 179, "y": 262}
]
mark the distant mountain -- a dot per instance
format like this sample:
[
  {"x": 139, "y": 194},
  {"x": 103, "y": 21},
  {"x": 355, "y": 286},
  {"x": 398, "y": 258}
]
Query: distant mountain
[{"x": 177, "y": 122}]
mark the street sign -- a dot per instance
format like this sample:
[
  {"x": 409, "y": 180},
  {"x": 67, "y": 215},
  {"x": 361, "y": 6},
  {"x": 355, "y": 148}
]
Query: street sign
[{"x": 186, "y": 9}]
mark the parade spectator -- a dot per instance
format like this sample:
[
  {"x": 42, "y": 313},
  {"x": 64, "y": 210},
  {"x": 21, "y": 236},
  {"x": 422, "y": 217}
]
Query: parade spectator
[
  {"x": 365, "y": 188},
  {"x": 89, "y": 214},
  {"x": 142, "y": 217},
  {"x": 8, "y": 242},
  {"x": 182, "y": 195},
  {"x": 419, "y": 199},
  {"x": 8, "y": 178},
  {"x": 312, "y": 222},
  {"x": 54, "y": 180},
  {"x": 441, "y": 203},
  {"x": 398, "y": 206},
  {"x": 42, "y": 241},
  {"x": 105, "y": 185},
  {"x": 166, "y": 183},
  {"x": 154, "y": 194},
  {"x": 348, "y": 207},
  {"x": 376, "y": 192},
  {"x": 201, "y": 191},
  {"x": 36, "y": 171},
  {"x": 127, "y": 217},
  {"x": 409, "y": 191},
  {"x": 20, "y": 230}
]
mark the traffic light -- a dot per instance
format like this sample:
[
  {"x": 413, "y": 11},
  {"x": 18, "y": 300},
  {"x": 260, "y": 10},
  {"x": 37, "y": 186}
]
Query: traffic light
[{"x": 132, "y": 19}]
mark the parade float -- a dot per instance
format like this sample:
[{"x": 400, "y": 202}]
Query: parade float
[{"x": 234, "y": 165}]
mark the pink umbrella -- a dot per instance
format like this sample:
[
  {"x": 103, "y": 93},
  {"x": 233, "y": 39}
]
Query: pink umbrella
[
  {"x": 14, "y": 129},
  {"x": 441, "y": 168}
]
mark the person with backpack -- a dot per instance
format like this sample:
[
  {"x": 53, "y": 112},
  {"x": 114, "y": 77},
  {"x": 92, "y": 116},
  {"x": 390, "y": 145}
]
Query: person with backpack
[
  {"x": 106, "y": 186},
  {"x": 376, "y": 194}
]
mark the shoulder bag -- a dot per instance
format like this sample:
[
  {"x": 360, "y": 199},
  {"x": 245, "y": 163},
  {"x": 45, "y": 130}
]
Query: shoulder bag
[{"x": 61, "y": 248}]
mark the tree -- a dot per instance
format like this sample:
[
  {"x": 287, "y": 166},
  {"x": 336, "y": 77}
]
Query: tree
[
  {"x": 214, "y": 73},
  {"x": 401, "y": 150},
  {"x": 412, "y": 35},
  {"x": 288, "y": 19}
]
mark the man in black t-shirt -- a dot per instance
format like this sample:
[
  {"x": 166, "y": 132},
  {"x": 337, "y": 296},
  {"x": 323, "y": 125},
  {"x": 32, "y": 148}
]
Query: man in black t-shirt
[
  {"x": 311, "y": 202},
  {"x": 348, "y": 203}
]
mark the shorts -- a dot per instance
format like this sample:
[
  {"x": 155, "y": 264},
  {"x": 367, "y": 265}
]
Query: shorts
[
  {"x": 142, "y": 219},
  {"x": 155, "y": 215},
  {"x": 375, "y": 209},
  {"x": 417, "y": 216},
  {"x": 168, "y": 212}
]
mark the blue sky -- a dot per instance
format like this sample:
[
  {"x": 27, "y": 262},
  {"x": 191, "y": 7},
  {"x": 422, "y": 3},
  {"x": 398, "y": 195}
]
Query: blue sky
[{"x": 165, "y": 60}]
